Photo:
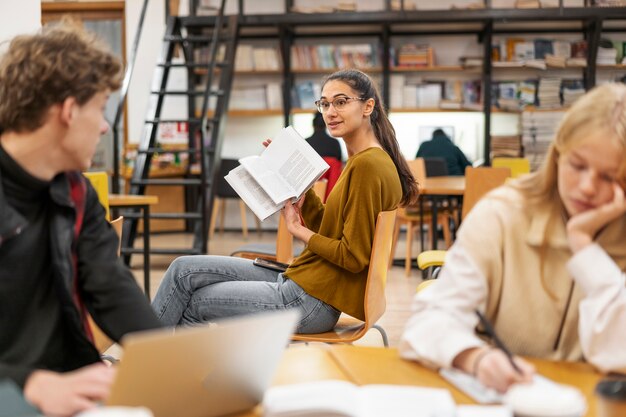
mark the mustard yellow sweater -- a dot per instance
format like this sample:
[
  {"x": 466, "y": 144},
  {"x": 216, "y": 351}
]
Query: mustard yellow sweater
[{"x": 334, "y": 265}]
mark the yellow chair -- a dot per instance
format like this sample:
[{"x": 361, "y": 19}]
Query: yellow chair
[
  {"x": 478, "y": 182},
  {"x": 518, "y": 166},
  {"x": 100, "y": 181},
  {"x": 349, "y": 329},
  {"x": 425, "y": 284}
]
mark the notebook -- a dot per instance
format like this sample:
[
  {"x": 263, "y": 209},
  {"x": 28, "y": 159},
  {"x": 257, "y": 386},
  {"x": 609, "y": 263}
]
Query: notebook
[{"x": 202, "y": 371}]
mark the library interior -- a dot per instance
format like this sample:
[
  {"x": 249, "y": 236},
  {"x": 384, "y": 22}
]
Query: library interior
[{"x": 493, "y": 109}]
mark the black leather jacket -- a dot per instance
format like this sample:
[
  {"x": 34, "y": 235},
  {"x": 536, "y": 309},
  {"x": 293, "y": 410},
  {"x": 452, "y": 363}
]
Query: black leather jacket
[{"x": 107, "y": 287}]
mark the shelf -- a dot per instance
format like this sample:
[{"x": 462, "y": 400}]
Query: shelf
[
  {"x": 529, "y": 109},
  {"x": 170, "y": 171},
  {"x": 612, "y": 67},
  {"x": 302, "y": 111},
  {"x": 450, "y": 68},
  {"x": 249, "y": 113},
  {"x": 372, "y": 70},
  {"x": 81, "y": 6},
  {"x": 431, "y": 110},
  {"x": 202, "y": 71}
]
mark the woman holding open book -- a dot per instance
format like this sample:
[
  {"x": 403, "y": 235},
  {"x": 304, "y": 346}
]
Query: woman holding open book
[
  {"x": 542, "y": 257},
  {"x": 329, "y": 276}
]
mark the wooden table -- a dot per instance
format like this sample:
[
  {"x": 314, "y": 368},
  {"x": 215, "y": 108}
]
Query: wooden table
[
  {"x": 142, "y": 202},
  {"x": 434, "y": 188},
  {"x": 365, "y": 365}
]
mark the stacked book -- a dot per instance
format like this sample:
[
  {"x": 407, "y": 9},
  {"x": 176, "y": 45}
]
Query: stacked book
[
  {"x": 510, "y": 146},
  {"x": 411, "y": 55},
  {"x": 304, "y": 57},
  {"x": 528, "y": 92},
  {"x": 305, "y": 93},
  {"x": 538, "y": 129},
  {"x": 571, "y": 90},
  {"x": 471, "y": 61},
  {"x": 549, "y": 92},
  {"x": 607, "y": 54},
  {"x": 251, "y": 58},
  {"x": 506, "y": 95}
]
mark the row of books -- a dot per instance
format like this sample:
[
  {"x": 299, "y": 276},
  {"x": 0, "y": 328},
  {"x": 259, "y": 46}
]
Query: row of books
[
  {"x": 255, "y": 58},
  {"x": 410, "y": 55},
  {"x": 558, "y": 52},
  {"x": 545, "y": 92},
  {"x": 363, "y": 55},
  {"x": 456, "y": 94}
]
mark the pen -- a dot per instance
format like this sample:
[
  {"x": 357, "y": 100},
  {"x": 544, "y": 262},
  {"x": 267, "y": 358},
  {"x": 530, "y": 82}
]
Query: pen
[{"x": 492, "y": 333}]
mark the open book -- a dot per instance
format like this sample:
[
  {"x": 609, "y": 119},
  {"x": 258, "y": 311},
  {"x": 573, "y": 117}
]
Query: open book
[
  {"x": 344, "y": 399},
  {"x": 284, "y": 171}
]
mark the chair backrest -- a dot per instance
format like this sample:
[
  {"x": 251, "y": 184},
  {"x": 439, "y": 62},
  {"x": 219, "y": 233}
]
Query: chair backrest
[
  {"x": 418, "y": 169},
  {"x": 518, "y": 166},
  {"x": 117, "y": 226},
  {"x": 375, "y": 302},
  {"x": 479, "y": 181},
  {"x": 436, "y": 167},
  {"x": 222, "y": 187},
  {"x": 100, "y": 181}
]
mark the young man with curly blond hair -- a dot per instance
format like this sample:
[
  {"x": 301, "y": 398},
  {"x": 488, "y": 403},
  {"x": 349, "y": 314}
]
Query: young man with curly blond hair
[{"x": 58, "y": 254}]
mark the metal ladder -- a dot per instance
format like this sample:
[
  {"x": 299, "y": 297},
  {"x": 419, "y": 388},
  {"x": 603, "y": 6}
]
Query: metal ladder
[{"x": 205, "y": 123}]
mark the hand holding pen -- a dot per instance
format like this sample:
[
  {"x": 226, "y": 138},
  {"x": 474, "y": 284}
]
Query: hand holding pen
[{"x": 495, "y": 366}]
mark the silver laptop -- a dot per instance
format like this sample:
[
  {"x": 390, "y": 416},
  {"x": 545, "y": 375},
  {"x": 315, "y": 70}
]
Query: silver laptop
[{"x": 203, "y": 371}]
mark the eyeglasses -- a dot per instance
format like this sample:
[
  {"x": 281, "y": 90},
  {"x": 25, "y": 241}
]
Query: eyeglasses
[{"x": 339, "y": 103}]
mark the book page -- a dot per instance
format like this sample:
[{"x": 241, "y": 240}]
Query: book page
[
  {"x": 328, "y": 398},
  {"x": 405, "y": 401},
  {"x": 252, "y": 193},
  {"x": 287, "y": 167}
]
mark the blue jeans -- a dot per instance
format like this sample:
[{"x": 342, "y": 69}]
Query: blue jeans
[{"x": 199, "y": 289}]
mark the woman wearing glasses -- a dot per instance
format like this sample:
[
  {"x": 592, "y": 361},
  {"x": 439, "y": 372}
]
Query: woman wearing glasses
[{"x": 329, "y": 276}]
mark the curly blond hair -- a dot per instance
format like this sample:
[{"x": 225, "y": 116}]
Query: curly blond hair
[{"x": 41, "y": 70}]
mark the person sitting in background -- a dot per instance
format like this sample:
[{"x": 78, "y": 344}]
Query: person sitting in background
[
  {"x": 543, "y": 257},
  {"x": 323, "y": 144},
  {"x": 440, "y": 146},
  {"x": 58, "y": 254}
]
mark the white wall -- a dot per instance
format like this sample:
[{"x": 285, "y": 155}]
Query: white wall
[
  {"x": 15, "y": 20},
  {"x": 149, "y": 49}
]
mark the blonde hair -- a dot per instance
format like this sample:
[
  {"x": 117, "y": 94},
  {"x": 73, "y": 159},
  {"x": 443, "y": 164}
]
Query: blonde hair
[
  {"x": 38, "y": 71},
  {"x": 602, "y": 109}
]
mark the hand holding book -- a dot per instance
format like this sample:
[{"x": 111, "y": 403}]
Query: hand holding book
[{"x": 284, "y": 171}]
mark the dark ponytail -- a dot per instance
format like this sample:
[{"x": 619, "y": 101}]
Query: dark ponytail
[{"x": 384, "y": 131}]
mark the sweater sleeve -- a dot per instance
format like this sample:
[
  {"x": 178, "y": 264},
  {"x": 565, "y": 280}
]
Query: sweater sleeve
[
  {"x": 17, "y": 373},
  {"x": 352, "y": 250},
  {"x": 110, "y": 291},
  {"x": 312, "y": 211},
  {"x": 449, "y": 304},
  {"x": 602, "y": 323}
]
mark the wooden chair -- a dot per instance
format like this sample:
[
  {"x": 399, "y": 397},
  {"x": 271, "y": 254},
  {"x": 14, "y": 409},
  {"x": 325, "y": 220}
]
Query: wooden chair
[
  {"x": 410, "y": 218},
  {"x": 518, "y": 166},
  {"x": 349, "y": 329},
  {"x": 478, "y": 182}
]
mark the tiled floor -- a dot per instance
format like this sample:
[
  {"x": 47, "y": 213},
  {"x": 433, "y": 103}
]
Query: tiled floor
[{"x": 400, "y": 289}]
